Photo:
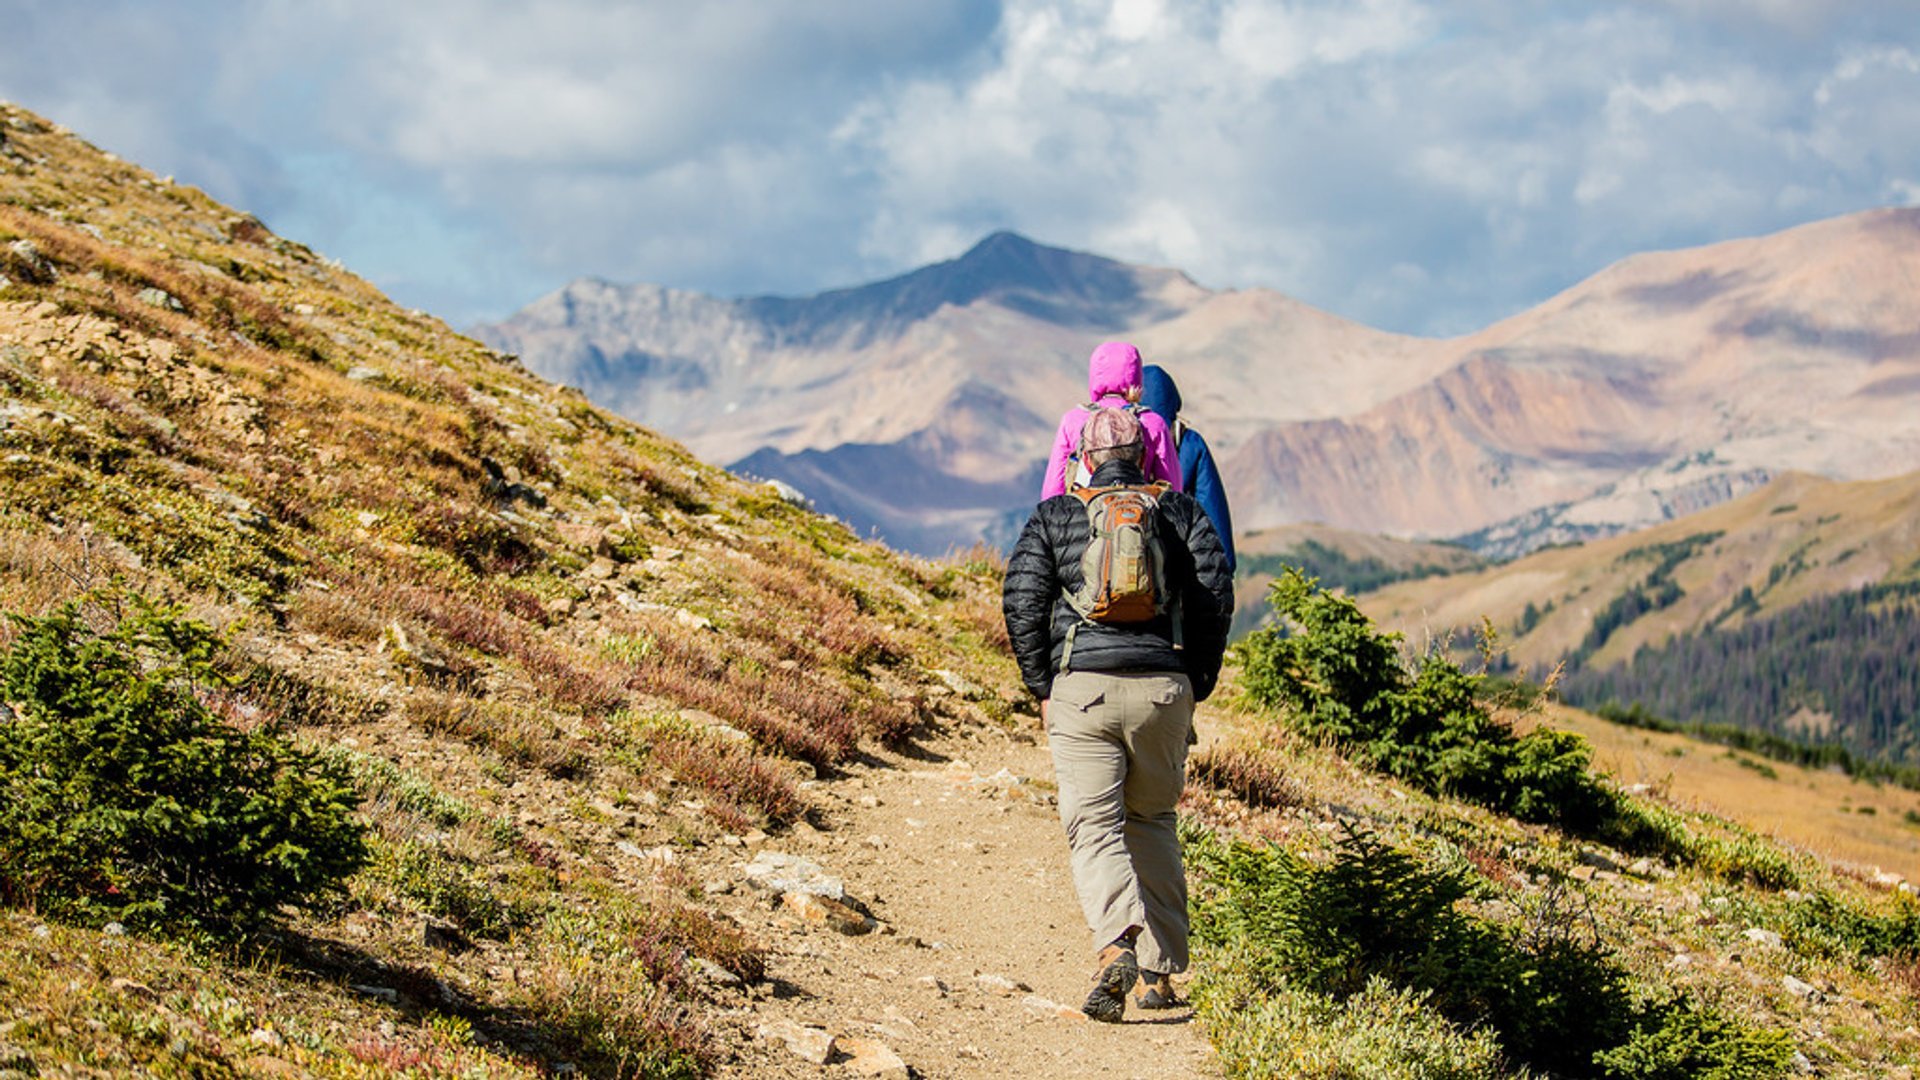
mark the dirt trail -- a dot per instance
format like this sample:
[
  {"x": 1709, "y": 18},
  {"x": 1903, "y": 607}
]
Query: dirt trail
[{"x": 957, "y": 848}]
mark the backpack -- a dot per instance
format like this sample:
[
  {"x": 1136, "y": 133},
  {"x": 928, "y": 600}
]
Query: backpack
[
  {"x": 1078, "y": 475},
  {"x": 1123, "y": 572}
]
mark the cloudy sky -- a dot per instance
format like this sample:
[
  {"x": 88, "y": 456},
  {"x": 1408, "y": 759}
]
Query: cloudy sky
[{"x": 1419, "y": 165}]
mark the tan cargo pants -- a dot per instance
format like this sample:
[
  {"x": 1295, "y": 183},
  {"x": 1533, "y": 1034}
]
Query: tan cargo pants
[{"x": 1119, "y": 746}]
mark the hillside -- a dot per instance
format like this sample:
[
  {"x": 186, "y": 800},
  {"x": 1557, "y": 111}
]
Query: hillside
[
  {"x": 1755, "y": 565},
  {"x": 1354, "y": 562},
  {"x": 578, "y": 678},
  {"x": 598, "y": 700}
]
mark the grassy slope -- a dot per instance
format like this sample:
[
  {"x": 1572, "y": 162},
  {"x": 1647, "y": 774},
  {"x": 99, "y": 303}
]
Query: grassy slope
[
  {"x": 1863, "y": 826},
  {"x": 542, "y": 688},
  {"x": 1797, "y": 538},
  {"x": 1669, "y": 925}
]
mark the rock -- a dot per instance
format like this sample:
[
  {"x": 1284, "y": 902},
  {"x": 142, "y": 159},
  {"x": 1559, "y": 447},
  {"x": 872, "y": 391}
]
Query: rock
[
  {"x": 363, "y": 373},
  {"x": 262, "y": 1036},
  {"x": 831, "y": 913},
  {"x": 933, "y": 983},
  {"x": 1052, "y": 1010},
  {"x": 505, "y": 488},
  {"x": 959, "y": 684},
  {"x": 379, "y": 993},
  {"x": 1599, "y": 861},
  {"x": 24, "y": 262},
  {"x": 1583, "y": 872},
  {"x": 160, "y": 298},
  {"x": 712, "y": 973},
  {"x": 870, "y": 1057},
  {"x": 436, "y": 934},
  {"x": 1764, "y": 937},
  {"x": 779, "y": 872},
  {"x": 1798, "y": 988},
  {"x": 113, "y": 929},
  {"x": 789, "y": 494},
  {"x": 134, "y": 989},
  {"x": 808, "y": 1043},
  {"x": 1001, "y": 985},
  {"x": 688, "y": 619}
]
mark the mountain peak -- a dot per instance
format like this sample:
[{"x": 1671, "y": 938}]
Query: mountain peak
[{"x": 1066, "y": 288}]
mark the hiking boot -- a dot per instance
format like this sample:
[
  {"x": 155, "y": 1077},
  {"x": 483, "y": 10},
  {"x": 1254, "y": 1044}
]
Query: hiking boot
[
  {"x": 1155, "y": 991},
  {"x": 1107, "y": 1001}
]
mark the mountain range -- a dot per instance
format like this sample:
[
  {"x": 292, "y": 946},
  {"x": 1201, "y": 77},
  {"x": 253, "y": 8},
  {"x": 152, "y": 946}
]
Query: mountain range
[{"x": 920, "y": 407}]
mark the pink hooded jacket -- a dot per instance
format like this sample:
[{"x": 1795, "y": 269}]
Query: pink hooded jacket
[{"x": 1112, "y": 370}]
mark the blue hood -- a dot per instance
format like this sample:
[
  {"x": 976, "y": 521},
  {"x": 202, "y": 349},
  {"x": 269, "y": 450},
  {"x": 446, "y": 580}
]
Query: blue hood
[{"x": 1158, "y": 393}]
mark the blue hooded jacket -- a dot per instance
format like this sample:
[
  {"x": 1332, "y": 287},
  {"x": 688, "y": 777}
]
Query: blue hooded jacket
[{"x": 1201, "y": 478}]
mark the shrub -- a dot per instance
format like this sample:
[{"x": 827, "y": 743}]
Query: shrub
[
  {"x": 1555, "y": 1002},
  {"x": 124, "y": 796},
  {"x": 1344, "y": 681},
  {"x": 1428, "y": 724},
  {"x": 1382, "y": 1033}
]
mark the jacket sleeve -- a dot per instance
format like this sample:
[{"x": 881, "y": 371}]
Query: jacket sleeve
[
  {"x": 1207, "y": 606},
  {"x": 1162, "y": 461},
  {"x": 1066, "y": 439},
  {"x": 1210, "y": 493},
  {"x": 1026, "y": 602}
]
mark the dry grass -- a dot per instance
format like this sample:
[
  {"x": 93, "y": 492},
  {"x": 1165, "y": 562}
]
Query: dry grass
[
  {"x": 1248, "y": 773},
  {"x": 743, "y": 788},
  {"x": 1827, "y": 813}
]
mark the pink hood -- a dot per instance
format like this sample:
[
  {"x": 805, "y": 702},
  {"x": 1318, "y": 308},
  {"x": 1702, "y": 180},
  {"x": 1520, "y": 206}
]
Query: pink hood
[{"x": 1112, "y": 370}]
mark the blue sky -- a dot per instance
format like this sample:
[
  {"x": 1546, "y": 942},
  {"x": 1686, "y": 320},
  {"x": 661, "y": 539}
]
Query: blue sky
[{"x": 1416, "y": 165}]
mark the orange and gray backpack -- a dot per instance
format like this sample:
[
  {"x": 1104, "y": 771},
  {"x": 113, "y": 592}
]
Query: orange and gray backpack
[{"x": 1123, "y": 572}]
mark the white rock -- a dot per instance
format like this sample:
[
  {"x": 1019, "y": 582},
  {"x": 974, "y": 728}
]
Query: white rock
[
  {"x": 777, "y": 871},
  {"x": 1052, "y": 1010},
  {"x": 1762, "y": 936},
  {"x": 1798, "y": 988},
  {"x": 808, "y": 1043},
  {"x": 1001, "y": 985},
  {"x": 871, "y": 1057}
]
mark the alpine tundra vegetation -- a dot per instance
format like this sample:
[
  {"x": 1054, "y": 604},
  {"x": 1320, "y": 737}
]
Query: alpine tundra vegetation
[{"x": 409, "y": 714}]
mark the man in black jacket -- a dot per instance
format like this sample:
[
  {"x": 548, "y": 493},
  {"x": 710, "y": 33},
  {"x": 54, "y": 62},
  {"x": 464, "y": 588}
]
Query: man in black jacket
[{"x": 1117, "y": 700}]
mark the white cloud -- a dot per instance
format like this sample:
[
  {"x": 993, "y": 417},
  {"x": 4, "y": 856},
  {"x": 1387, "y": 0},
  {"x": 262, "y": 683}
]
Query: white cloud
[{"x": 1421, "y": 165}]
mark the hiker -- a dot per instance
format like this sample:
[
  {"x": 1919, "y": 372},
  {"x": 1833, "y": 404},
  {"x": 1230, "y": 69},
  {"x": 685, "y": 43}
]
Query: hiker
[
  {"x": 1113, "y": 381},
  {"x": 1200, "y": 478},
  {"x": 1117, "y": 602}
]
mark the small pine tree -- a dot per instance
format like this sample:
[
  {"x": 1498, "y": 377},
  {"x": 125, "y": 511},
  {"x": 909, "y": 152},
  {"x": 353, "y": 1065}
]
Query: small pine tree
[{"x": 123, "y": 796}]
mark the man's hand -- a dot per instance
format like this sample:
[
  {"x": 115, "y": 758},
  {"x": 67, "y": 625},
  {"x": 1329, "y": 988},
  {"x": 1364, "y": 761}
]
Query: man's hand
[{"x": 1044, "y": 702}]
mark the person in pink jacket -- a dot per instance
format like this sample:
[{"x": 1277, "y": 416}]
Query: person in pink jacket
[{"x": 1113, "y": 381}]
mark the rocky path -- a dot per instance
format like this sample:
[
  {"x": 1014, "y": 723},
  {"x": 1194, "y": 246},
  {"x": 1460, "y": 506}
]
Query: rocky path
[{"x": 980, "y": 957}]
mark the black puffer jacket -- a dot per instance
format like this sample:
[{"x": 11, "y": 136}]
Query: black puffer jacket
[{"x": 1045, "y": 567}]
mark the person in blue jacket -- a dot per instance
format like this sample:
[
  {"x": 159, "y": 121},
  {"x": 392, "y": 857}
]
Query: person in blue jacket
[{"x": 1200, "y": 478}]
